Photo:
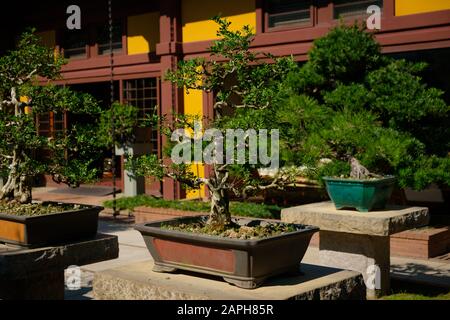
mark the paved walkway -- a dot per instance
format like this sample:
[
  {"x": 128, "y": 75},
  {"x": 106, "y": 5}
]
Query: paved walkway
[{"x": 435, "y": 272}]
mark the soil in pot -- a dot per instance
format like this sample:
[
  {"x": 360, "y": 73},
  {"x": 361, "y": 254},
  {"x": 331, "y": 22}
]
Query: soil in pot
[
  {"x": 251, "y": 231},
  {"x": 36, "y": 209},
  {"x": 44, "y": 224}
]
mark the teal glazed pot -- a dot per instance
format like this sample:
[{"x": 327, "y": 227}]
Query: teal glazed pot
[{"x": 362, "y": 195}]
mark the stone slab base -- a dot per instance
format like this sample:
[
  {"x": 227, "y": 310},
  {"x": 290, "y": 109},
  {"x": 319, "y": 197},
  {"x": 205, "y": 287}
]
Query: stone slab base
[
  {"x": 138, "y": 282},
  {"x": 38, "y": 274}
]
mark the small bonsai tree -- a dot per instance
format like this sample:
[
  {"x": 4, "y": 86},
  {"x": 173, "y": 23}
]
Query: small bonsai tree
[
  {"x": 69, "y": 156},
  {"x": 350, "y": 108},
  {"x": 244, "y": 92}
]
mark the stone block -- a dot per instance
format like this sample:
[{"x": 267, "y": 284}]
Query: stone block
[
  {"x": 138, "y": 282},
  {"x": 38, "y": 274},
  {"x": 378, "y": 223},
  {"x": 358, "y": 253}
]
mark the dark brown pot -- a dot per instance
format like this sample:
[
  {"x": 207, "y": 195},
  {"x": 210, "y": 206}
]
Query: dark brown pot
[
  {"x": 244, "y": 263},
  {"x": 49, "y": 229}
]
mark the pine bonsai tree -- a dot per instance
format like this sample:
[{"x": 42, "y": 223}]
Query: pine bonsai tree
[
  {"x": 70, "y": 155},
  {"x": 350, "y": 108}
]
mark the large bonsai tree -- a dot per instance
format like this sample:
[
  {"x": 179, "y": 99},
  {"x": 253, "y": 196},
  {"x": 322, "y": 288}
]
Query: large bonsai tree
[
  {"x": 350, "y": 102},
  {"x": 26, "y": 92},
  {"x": 244, "y": 89}
]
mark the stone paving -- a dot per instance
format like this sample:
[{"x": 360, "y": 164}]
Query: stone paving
[{"x": 434, "y": 272}]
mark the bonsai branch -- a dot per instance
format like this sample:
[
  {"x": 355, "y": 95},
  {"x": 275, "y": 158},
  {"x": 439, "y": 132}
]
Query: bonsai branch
[{"x": 283, "y": 178}]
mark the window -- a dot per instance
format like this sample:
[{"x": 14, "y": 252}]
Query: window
[
  {"x": 143, "y": 94},
  {"x": 353, "y": 9},
  {"x": 50, "y": 124},
  {"x": 74, "y": 45},
  {"x": 288, "y": 13},
  {"x": 103, "y": 39}
]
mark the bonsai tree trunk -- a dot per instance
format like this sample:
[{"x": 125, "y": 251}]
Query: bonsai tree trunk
[
  {"x": 358, "y": 171},
  {"x": 17, "y": 186},
  {"x": 220, "y": 203}
]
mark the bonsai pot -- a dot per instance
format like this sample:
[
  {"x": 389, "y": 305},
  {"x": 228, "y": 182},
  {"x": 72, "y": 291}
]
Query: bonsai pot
[
  {"x": 244, "y": 263},
  {"x": 362, "y": 195},
  {"x": 50, "y": 229}
]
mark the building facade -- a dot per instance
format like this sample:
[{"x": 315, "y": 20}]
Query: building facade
[{"x": 151, "y": 37}]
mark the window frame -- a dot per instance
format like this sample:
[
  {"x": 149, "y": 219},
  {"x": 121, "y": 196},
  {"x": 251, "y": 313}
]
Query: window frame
[
  {"x": 354, "y": 18},
  {"x": 92, "y": 45},
  {"x": 152, "y": 135},
  {"x": 62, "y": 49},
  {"x": 52, "y": 131},
  {"x": 293, "y": 26},
  {"x": 95, "y": 36}
]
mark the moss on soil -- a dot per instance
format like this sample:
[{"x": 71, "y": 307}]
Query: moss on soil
[
  {"x": 235, "y": 231},
  {"x": 35, "y": 209}
]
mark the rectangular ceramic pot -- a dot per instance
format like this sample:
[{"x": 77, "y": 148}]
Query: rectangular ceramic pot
[
  {"x": 362, "y": 195},
  {"x": 244, "y": 263},
  {"x": 39, "y": 231}
]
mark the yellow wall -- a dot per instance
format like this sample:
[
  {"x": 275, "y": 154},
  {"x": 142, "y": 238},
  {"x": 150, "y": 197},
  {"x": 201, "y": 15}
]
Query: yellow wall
[
  {"x": 196, "y": 15},
  {"x": 48, "y": 38},
  {"x": 193, "y": 105},
  {"x": 405, "y": 7},
  {"x": 143, "y": 33}
]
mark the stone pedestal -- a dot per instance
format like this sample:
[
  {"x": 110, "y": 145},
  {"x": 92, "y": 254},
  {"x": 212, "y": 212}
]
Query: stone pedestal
[
  {"x": 138, "y": 282},
  {"x": 38, "y": 274},
  {"x": 358, "y": 241}
]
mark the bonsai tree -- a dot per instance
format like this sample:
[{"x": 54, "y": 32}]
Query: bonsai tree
[
  {"x": 244, "y": 92},
  {"x": 26, "y": 92},
  {"x": 352, "y": 110}
]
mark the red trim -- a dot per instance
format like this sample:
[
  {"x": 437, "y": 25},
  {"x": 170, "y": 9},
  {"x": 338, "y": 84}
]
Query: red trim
[
  {"x": 418, "y": 28},
  {"x": 259, "y": 4}
]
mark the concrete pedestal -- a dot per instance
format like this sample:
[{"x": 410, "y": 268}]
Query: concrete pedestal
[
  {"x": 138, "y": 282},
  {"x": 133, "y": 185},
  {"x": 38, "y": 274},
  {"x": 358, "y": 241}
]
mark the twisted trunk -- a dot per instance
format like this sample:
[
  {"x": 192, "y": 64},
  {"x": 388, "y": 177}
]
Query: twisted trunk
[
  {"x": 220, "y": 208},
  {"x": 18, "y": 186},
  {"x": 220, "y": 215}
]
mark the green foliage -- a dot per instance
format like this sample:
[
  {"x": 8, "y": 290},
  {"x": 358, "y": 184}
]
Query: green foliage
[
  {"x": 27, "y": 61},
  {"x": 245, "y": 89},
  {"x": 125, "y": 122},
  {"x": 242, "y": 209},
  {"x": 345, "y": 55},
  {"x": 70, "y": 157},
  {"x": 349, "y": 100}
]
